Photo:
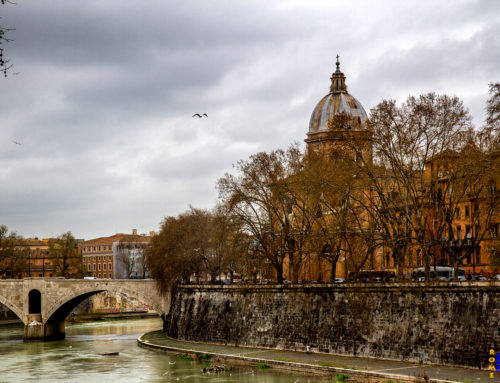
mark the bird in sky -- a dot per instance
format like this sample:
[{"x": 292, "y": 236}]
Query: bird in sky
[
  {"x": 16, "y": 142},
  {"x": 199, "y": 115}
]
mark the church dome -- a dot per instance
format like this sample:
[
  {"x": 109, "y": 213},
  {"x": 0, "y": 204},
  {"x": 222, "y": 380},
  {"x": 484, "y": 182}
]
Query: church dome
[{"x": 338, "y": 101}]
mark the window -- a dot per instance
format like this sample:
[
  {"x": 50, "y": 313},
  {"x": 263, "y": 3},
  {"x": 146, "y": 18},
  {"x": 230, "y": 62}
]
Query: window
[
  {"x": 109, "y": 257},
  {"x": 459, "y": 232},
  {"x": 493, "y": 187},
  {"x": 94, "y": 268},
  {"x": 99, "y": 266},
  {"x": 104, "y": 266},
  {"x": 109, "y": 266},
  {"x": 494, "y": 231},
  {"x": 475, "y": 208},
  {"x": 478, "y": 256},
  {"x": 99, "y": 258},
  {"x": 99, "y": 276},
  {"x": 88, "y": 267},
  {"x": 467, "y": 212},
  {"x": 468, "y": 231},
  {"x": 458, "y": 213}
]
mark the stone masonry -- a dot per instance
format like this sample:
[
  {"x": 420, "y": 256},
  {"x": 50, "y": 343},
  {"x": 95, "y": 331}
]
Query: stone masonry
[
  {"x": 445, "y": 323},
  {"x": 59, "y": 296}
]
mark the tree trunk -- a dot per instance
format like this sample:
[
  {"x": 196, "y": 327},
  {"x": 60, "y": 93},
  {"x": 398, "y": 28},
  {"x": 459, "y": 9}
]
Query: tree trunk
[
  {"x": 333, "y": 271},
  {"x": 279, "y": 273}
]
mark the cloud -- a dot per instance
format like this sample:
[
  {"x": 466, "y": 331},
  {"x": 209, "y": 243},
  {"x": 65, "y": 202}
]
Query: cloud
[{"x": 104, "y": 100}]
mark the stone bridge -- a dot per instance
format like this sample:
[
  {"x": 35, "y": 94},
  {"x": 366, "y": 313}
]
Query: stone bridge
[{"x": 44, "y": 303}]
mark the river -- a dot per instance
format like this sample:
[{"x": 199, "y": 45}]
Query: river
[{"x": 77, "y": 359}]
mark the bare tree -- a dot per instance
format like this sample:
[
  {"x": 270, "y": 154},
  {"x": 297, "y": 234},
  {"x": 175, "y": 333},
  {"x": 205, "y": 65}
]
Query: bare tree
[
  {"x": 404, "y": 140},
  {"x": 5, "y": 64},
  {"x": 258, "y": 200}
]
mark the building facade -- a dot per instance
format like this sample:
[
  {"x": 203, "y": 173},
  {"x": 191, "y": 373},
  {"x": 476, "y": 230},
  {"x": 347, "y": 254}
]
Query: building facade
[
  {"x": 120, "y": 256},
  {"x": 466, "y": 221}
]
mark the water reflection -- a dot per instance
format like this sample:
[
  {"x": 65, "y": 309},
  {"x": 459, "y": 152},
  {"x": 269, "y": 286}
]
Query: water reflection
[{"x": 77, "y": 359}]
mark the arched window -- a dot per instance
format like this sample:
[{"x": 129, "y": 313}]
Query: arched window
[{"x": 35, "y": 302}]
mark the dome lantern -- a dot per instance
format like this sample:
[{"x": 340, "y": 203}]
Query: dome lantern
[{"x": 338, "y": 80}]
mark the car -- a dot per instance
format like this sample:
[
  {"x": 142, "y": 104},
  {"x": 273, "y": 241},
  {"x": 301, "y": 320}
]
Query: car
[
  {"x": 495, "y": 277},
  {"x": 339, "y": 280},
  {"x": 478, "y": 277},
  {"x": 461, "y": 278}
]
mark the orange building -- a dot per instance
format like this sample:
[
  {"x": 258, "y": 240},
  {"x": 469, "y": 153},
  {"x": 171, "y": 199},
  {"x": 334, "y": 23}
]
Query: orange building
[
  {"x": 115, "y": 257},
  {"x": 470, "y": 236}
]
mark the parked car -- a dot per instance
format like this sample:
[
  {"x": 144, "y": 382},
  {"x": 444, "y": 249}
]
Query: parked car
[
  {"x": 496, "y": 277},
  {"x": 478, "y": 277},
  {"x": 339, "y": 280}
]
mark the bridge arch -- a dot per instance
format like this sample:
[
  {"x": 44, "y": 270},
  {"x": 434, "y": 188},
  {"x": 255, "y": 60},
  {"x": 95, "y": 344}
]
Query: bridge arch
[
  {"x": 62, "y": 307},
  {"x": 14, "y": 308},
  {"x": 34, "y": 302}
]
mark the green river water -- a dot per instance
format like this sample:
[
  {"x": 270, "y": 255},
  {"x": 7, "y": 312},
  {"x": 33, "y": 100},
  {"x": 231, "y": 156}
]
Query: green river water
[{"x": 77, "y": 359}]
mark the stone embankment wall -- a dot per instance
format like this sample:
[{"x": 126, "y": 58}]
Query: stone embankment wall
[
  {"x": 455, "y": 324},
  {"x": 108, "y": 302}
]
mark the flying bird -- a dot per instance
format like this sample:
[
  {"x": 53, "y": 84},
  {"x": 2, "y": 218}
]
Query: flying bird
[
  {"x": 199, "y": 115},
  {"x": 16, "y": 142}
]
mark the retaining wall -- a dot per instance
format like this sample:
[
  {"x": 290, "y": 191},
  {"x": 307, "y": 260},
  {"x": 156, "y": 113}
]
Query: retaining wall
[{"x": 448, "y": 323}]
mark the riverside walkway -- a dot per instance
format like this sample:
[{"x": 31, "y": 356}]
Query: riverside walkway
[{"x": 372, "y": 369}]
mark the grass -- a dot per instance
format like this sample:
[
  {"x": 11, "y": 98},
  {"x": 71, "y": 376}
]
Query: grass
[
  {"x": 204, "y": 357},
  {"x": 185, "y": 357},
  {"x": 262, "y": 366},
  {"x": 341, "y": 378}
]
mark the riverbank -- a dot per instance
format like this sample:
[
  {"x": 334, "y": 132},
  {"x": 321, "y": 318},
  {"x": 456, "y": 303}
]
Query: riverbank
[
  {"x": 358, "y": 369},
  {"x": 113, "y": 316},
  {"x": 91, "y": 318}
]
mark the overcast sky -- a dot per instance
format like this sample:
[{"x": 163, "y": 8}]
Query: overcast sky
[{"x": 105, "y": 91}]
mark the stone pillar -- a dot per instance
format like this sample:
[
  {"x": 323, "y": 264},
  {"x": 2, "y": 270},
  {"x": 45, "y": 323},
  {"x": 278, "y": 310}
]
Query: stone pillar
[
  {"x": 55, "y": 330},
  {"x": 36, "y": 330}
]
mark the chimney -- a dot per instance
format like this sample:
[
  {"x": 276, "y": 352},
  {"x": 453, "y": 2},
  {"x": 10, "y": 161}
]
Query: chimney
[{"x": 134, "y": 231}]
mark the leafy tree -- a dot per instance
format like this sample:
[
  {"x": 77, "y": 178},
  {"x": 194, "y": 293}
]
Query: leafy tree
[
  {"x": 13, "y": 261},
  {"x": 64, "y": 255}
]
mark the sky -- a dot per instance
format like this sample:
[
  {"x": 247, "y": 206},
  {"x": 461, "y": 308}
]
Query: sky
[{"x": 102, "y": 93}]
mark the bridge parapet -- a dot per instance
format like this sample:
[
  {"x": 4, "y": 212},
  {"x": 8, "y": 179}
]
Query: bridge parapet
[{"x": 43, "y": 303}]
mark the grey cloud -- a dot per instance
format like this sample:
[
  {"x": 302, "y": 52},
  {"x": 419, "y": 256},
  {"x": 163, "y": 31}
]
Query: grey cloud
[{"x": 104, "y": 100}]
